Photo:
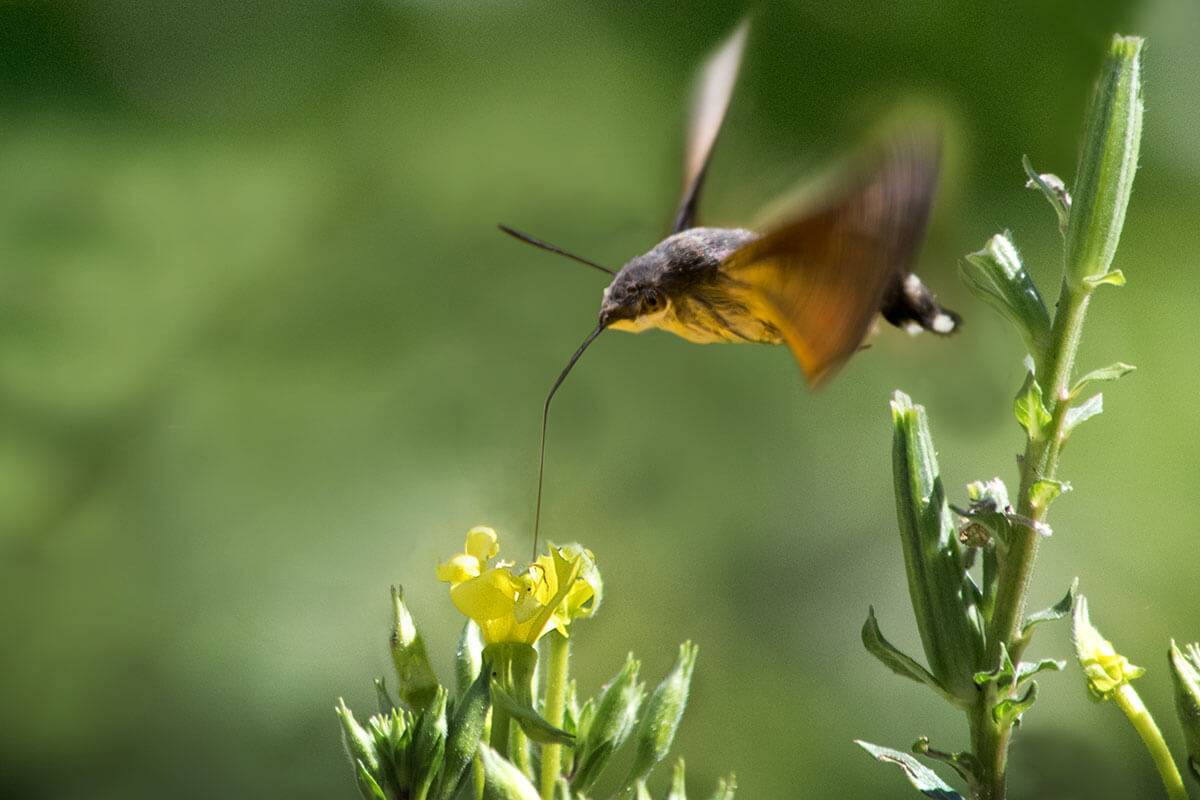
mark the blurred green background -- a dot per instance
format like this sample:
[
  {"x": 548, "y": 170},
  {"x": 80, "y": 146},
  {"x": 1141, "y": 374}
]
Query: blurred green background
[{"x": 263, "y": 353}]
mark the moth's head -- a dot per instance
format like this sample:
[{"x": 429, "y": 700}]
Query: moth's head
[{"x": 635, "y": 299}]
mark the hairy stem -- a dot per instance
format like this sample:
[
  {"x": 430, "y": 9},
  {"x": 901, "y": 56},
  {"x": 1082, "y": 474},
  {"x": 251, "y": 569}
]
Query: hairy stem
[{"x": 555, "y": 705}]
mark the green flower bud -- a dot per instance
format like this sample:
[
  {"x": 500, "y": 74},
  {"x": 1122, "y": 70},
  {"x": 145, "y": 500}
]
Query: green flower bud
[
  {"x": 678, "y": 785},
  {"x": 468, "y": 658},
  {"x": 429, "y": 744},
  {"x": 1107, "y": 162},
  {"x": 944, "y": 598},
  {"x": 501, "y": 778},
  {"x": 360, "y": 749},
  {"x": 1185, "y": 672},
  {"x": 608, "y": 724},
  {"x": 417, "y": 683},
  {"x": 466, "y": 729},
  {"x": 664, "y": 710}
]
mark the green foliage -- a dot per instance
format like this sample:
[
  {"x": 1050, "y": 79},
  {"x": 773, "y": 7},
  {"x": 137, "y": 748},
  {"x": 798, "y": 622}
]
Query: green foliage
[
  {"x": 962, "y": 625},
  {"x": 425, "y": 752}
]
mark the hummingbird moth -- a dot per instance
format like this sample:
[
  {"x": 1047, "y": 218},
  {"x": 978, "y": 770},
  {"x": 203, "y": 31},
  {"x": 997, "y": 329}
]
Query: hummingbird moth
[{"x": 815, "y": 283}]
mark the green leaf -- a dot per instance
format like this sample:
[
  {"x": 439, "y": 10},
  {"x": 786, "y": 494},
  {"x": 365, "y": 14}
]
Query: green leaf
[
  {"x": 1029, "y": 409},
  {"x": 531, "y": 722},
  {"x": 965, "y": 764},
  {"x": 996, "y": 275},
  {"x": 1112, "y": 278},
  {"x": 897, "y": 661},
  {"x": 1001, "y": 674},
  {"x": 368, "y": 787},
  {"x": 1027, "y": 669},
  {"x": 1057, "y": 611},
  {"x": 382, "y": 699},
  {"x": 1107, "y": 163},
  {"x": 1053, "y": 189},
  {"x": 1110, "y": 373},
  {"x": 1091, "y": 407},
  {"x": 920, "y": 776},
  {"x": 1007, "y": 711},
  {"x": 1045, "y": 492}
]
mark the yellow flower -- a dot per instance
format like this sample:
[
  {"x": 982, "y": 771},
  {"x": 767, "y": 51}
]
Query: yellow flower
[{"x": 519, "y": 606}]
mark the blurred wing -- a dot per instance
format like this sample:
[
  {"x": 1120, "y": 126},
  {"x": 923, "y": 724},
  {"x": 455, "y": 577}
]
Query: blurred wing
[
  {"x": 821, "y": 279},
  {"x": 711, "y": 99}
]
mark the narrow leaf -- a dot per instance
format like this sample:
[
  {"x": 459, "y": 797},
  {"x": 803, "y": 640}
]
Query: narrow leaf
[
  {"x": 1029, "y": 409},
  {"x": 965, "y": 764},
  {"x": 1053, "y": 189},
  {"x": 920, "y": 776},
  {"x": 1027, "y": 669},
  {"x": 1110, "y": 373},
  {"x": 368, "y": 787},
  {"x": 531, "y": 722},
  {"x": 1089, "y": 408},
  {"x": 892, "y": 658},
  {"x": 1009, "y": 710},
  {"x": 1044, "y": 492},
  {"x": 1001, "y": 674},
  {"x": 1057, "y": 611},
  {"x": 1111, "y": 278}
]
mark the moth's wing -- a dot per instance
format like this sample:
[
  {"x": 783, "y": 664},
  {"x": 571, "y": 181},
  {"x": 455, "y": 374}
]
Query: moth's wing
[
  {"x": 821, "y": 279},
  {"x": 713, "y": 90}
]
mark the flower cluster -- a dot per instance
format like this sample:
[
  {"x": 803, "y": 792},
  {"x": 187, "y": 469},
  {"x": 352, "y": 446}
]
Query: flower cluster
[{"x": 519, "y": 606}]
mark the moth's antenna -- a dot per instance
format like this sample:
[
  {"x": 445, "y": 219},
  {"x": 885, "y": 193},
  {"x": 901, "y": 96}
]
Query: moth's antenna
[
  {"x": 537, "y": 518},
  {"x": 545, "y": 246}
]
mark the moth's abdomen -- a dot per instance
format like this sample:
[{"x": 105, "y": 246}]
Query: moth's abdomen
[{"x": 909, "y": 304}]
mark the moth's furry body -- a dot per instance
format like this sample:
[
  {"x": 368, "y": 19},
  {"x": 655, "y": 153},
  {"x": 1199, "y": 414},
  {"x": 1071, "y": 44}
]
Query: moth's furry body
[{"x": 680, "y": 286}]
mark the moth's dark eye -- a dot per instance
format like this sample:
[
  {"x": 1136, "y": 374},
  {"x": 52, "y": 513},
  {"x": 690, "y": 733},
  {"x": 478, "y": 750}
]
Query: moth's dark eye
[{"x": 653, "y": 301}]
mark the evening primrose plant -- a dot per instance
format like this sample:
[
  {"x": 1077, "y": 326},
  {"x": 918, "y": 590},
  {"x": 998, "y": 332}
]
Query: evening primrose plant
[
  {"x": 969, "y": 568},
  {"x": 506, "y": 733}
]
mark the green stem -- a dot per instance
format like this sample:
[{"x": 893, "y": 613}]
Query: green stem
[
  {"x": 1127, "y": 698},
  {"x": 989, "y": 742},
  {"x": 1040, "y": 463},
  {"x": 557, "y": 665},
  {"x": 990, "y": 739}
]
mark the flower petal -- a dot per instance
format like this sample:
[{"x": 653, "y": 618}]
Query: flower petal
[{"x": 483, "y": 544}]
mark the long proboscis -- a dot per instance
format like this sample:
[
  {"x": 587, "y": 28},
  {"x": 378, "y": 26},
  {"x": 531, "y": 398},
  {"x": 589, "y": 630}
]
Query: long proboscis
[
  {"x": 525, "y": 237},
  {"x": 537, "y": 517}
]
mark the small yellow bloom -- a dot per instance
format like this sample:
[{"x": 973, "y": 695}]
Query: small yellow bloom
[
  {"x": 519, "y": 606},
  {"x": 1106, "y": 670}
]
